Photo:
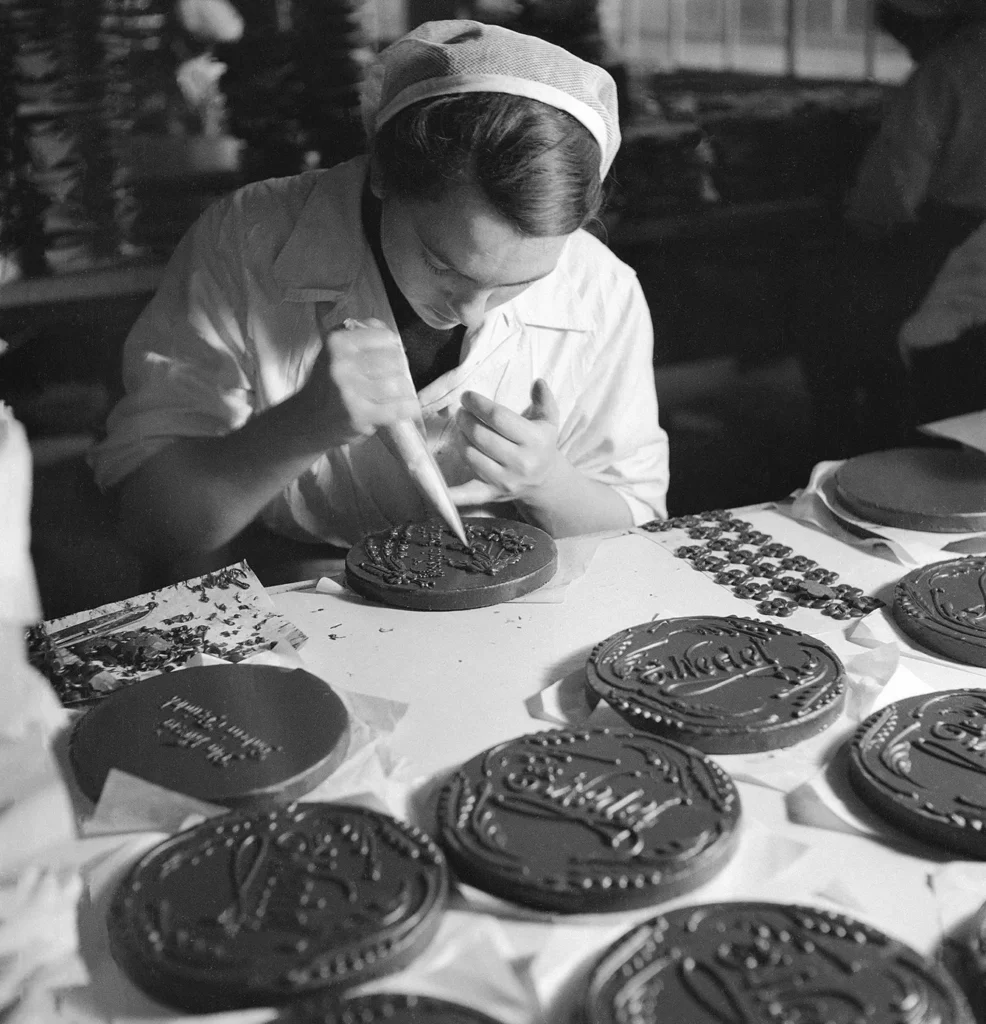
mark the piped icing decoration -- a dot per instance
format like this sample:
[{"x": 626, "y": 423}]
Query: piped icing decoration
[
  {"x": 253, "y": 909},
  {"x": 943, "y": 608},
  {"x": 424, "y": 565},
  {"x": 921, "y": 763},
  {"x": 723, "y": 684},
  {"x": 728, "y": 963},
  {"x": 586, "y": 821}
]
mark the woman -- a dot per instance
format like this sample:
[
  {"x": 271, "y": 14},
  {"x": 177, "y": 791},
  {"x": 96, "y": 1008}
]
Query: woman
[{"x": 521, "y": 344}]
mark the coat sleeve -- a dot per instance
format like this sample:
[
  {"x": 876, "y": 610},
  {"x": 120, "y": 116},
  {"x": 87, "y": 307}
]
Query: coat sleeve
[
  {"x": 613, "y": 434},
  {"x": 185, "y": 361}
]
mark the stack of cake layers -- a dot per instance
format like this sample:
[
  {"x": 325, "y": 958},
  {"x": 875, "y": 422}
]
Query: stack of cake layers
[{"x": 73, "y": 88}]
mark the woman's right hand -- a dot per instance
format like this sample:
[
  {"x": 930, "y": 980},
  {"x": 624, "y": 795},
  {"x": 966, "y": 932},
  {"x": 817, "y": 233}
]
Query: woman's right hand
[{"x": 360, "y": 382}]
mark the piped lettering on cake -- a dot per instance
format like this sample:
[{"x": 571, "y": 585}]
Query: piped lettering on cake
[{"x": 194, "y": 727}]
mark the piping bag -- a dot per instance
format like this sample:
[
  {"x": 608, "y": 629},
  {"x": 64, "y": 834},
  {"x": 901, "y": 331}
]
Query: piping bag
[{"x": 405, "y": 441}]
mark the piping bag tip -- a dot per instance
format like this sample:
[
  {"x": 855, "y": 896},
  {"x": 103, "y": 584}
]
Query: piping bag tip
[{"x": 410, "y": 447}]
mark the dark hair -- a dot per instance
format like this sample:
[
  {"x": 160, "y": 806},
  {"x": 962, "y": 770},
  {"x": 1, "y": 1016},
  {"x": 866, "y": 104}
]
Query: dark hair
[{"x": 537, "y": 166}]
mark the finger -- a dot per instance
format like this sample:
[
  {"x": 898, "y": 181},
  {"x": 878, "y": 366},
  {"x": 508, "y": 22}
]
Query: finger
[
  {"x": 475, "y": 492},
  {"x": 505, "y": 422},
  {"x": 479, "y": 436},
  {"x": 543, "y": 406}
]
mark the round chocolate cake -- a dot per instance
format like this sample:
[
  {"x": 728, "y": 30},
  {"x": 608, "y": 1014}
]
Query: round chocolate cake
[
  {"x": 588, "y": 821},
  {"x": 969, "y": 962},
  {"x": 723, "y": 685},
  {"x": 921, "y": 764},
  {"x": 235, "y": 735},
  {"x": 425, "y": 566},
  {"x": 766, "y": 962},
  {"x": 257, "y": 909},
  {"x": 938, "y": 490},
  {"x": 383, "y": 1008},
  {"x": 943, "y": 607}
]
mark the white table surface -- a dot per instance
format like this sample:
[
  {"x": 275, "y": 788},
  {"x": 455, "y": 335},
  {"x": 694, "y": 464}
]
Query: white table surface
[{"x": 468, "y": 677}]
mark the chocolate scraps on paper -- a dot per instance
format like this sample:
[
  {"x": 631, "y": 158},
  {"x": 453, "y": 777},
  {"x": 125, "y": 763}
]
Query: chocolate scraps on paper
[{"x": 226, "y": 614}]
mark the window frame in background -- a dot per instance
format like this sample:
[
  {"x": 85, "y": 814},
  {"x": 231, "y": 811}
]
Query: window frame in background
[{"x": 672, "y": 35}]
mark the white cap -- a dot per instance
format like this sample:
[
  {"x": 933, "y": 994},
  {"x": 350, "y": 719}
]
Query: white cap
[{"x": 447, "y": 58}]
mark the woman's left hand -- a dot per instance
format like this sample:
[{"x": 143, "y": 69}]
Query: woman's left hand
[{"x": 513, "y": 455}]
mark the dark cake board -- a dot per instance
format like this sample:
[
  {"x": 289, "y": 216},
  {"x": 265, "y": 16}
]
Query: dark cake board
[
  {"x": 232, "y": 735},
  {"x": 424, "y": 567},
  {"x": 935, "y": 490}
]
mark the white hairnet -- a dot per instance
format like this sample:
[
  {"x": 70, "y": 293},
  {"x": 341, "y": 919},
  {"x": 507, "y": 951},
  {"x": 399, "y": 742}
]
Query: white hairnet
[{"x": 445, "y": 58}]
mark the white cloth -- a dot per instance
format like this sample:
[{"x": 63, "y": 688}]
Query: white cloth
[
  {"x": 232, "y": 331},
  {"x": 19, "y": 603},
  {"x": 931, "y": 144}
]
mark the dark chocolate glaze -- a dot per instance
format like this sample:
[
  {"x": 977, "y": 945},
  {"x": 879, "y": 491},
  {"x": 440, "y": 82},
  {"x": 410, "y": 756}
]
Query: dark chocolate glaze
[
  {"x": 939, "y": 490},
  {"x": 389, "y": 1007},
  {"x": 256, "y": 909},
  {"x": 724, "y": 685},
  {"x": 235, "y": 735},
  {"x": 758, "y": 963},
  {"x": 425, "y": 566},
  {"x": 943, "y": 608},
  {"x": 921, "y": 764},
  {"x": 588, "y": 821},
  {"x": 968, "y": 961}
]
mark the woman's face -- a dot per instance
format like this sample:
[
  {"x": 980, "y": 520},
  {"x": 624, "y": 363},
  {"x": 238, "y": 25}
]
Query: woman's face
[{"x": 456, "y": 259}]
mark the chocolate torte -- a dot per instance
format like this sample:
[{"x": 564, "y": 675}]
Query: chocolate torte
[
  {"x": 938, "y": 490},
  {"x": 235, "y": 735},
  {"x": 725, "y": 685},
  {"x": 255, "y": 909},
  {"x": 921, "y": 764},
  {"x": 760, "y": 962},
  {"x": 587, "y": 821},
  {"x": 383, "y": 1008},
  {"x": 425, "y": 566},
  {"x": 969, "y": 961},
  {"x": 943, "y": 607}
]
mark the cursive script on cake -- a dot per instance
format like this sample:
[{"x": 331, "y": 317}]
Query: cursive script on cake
[{"x": 192, "y": 726}]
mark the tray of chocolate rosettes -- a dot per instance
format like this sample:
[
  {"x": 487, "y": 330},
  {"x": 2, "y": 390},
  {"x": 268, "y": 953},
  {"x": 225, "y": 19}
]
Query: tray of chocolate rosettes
[{"x": 224, "y": 614}]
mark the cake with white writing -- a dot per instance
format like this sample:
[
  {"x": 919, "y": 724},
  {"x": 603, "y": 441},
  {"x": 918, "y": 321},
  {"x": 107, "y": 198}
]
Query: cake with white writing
[
  {"x": 259, "y": 908},
  {"x": 935, "y": 490},
  {"x": 425, "y": 566},
  {"x": 760, "y": 962},
  {"x": 588, "y": 821},
  {"x": 920, "y": 763},
  {"x": 725, "y": 685},
  {"x": 942, "y": 607},
  {"x": 235, "y": 735},
  {"x": 383, "y": 1008}
]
